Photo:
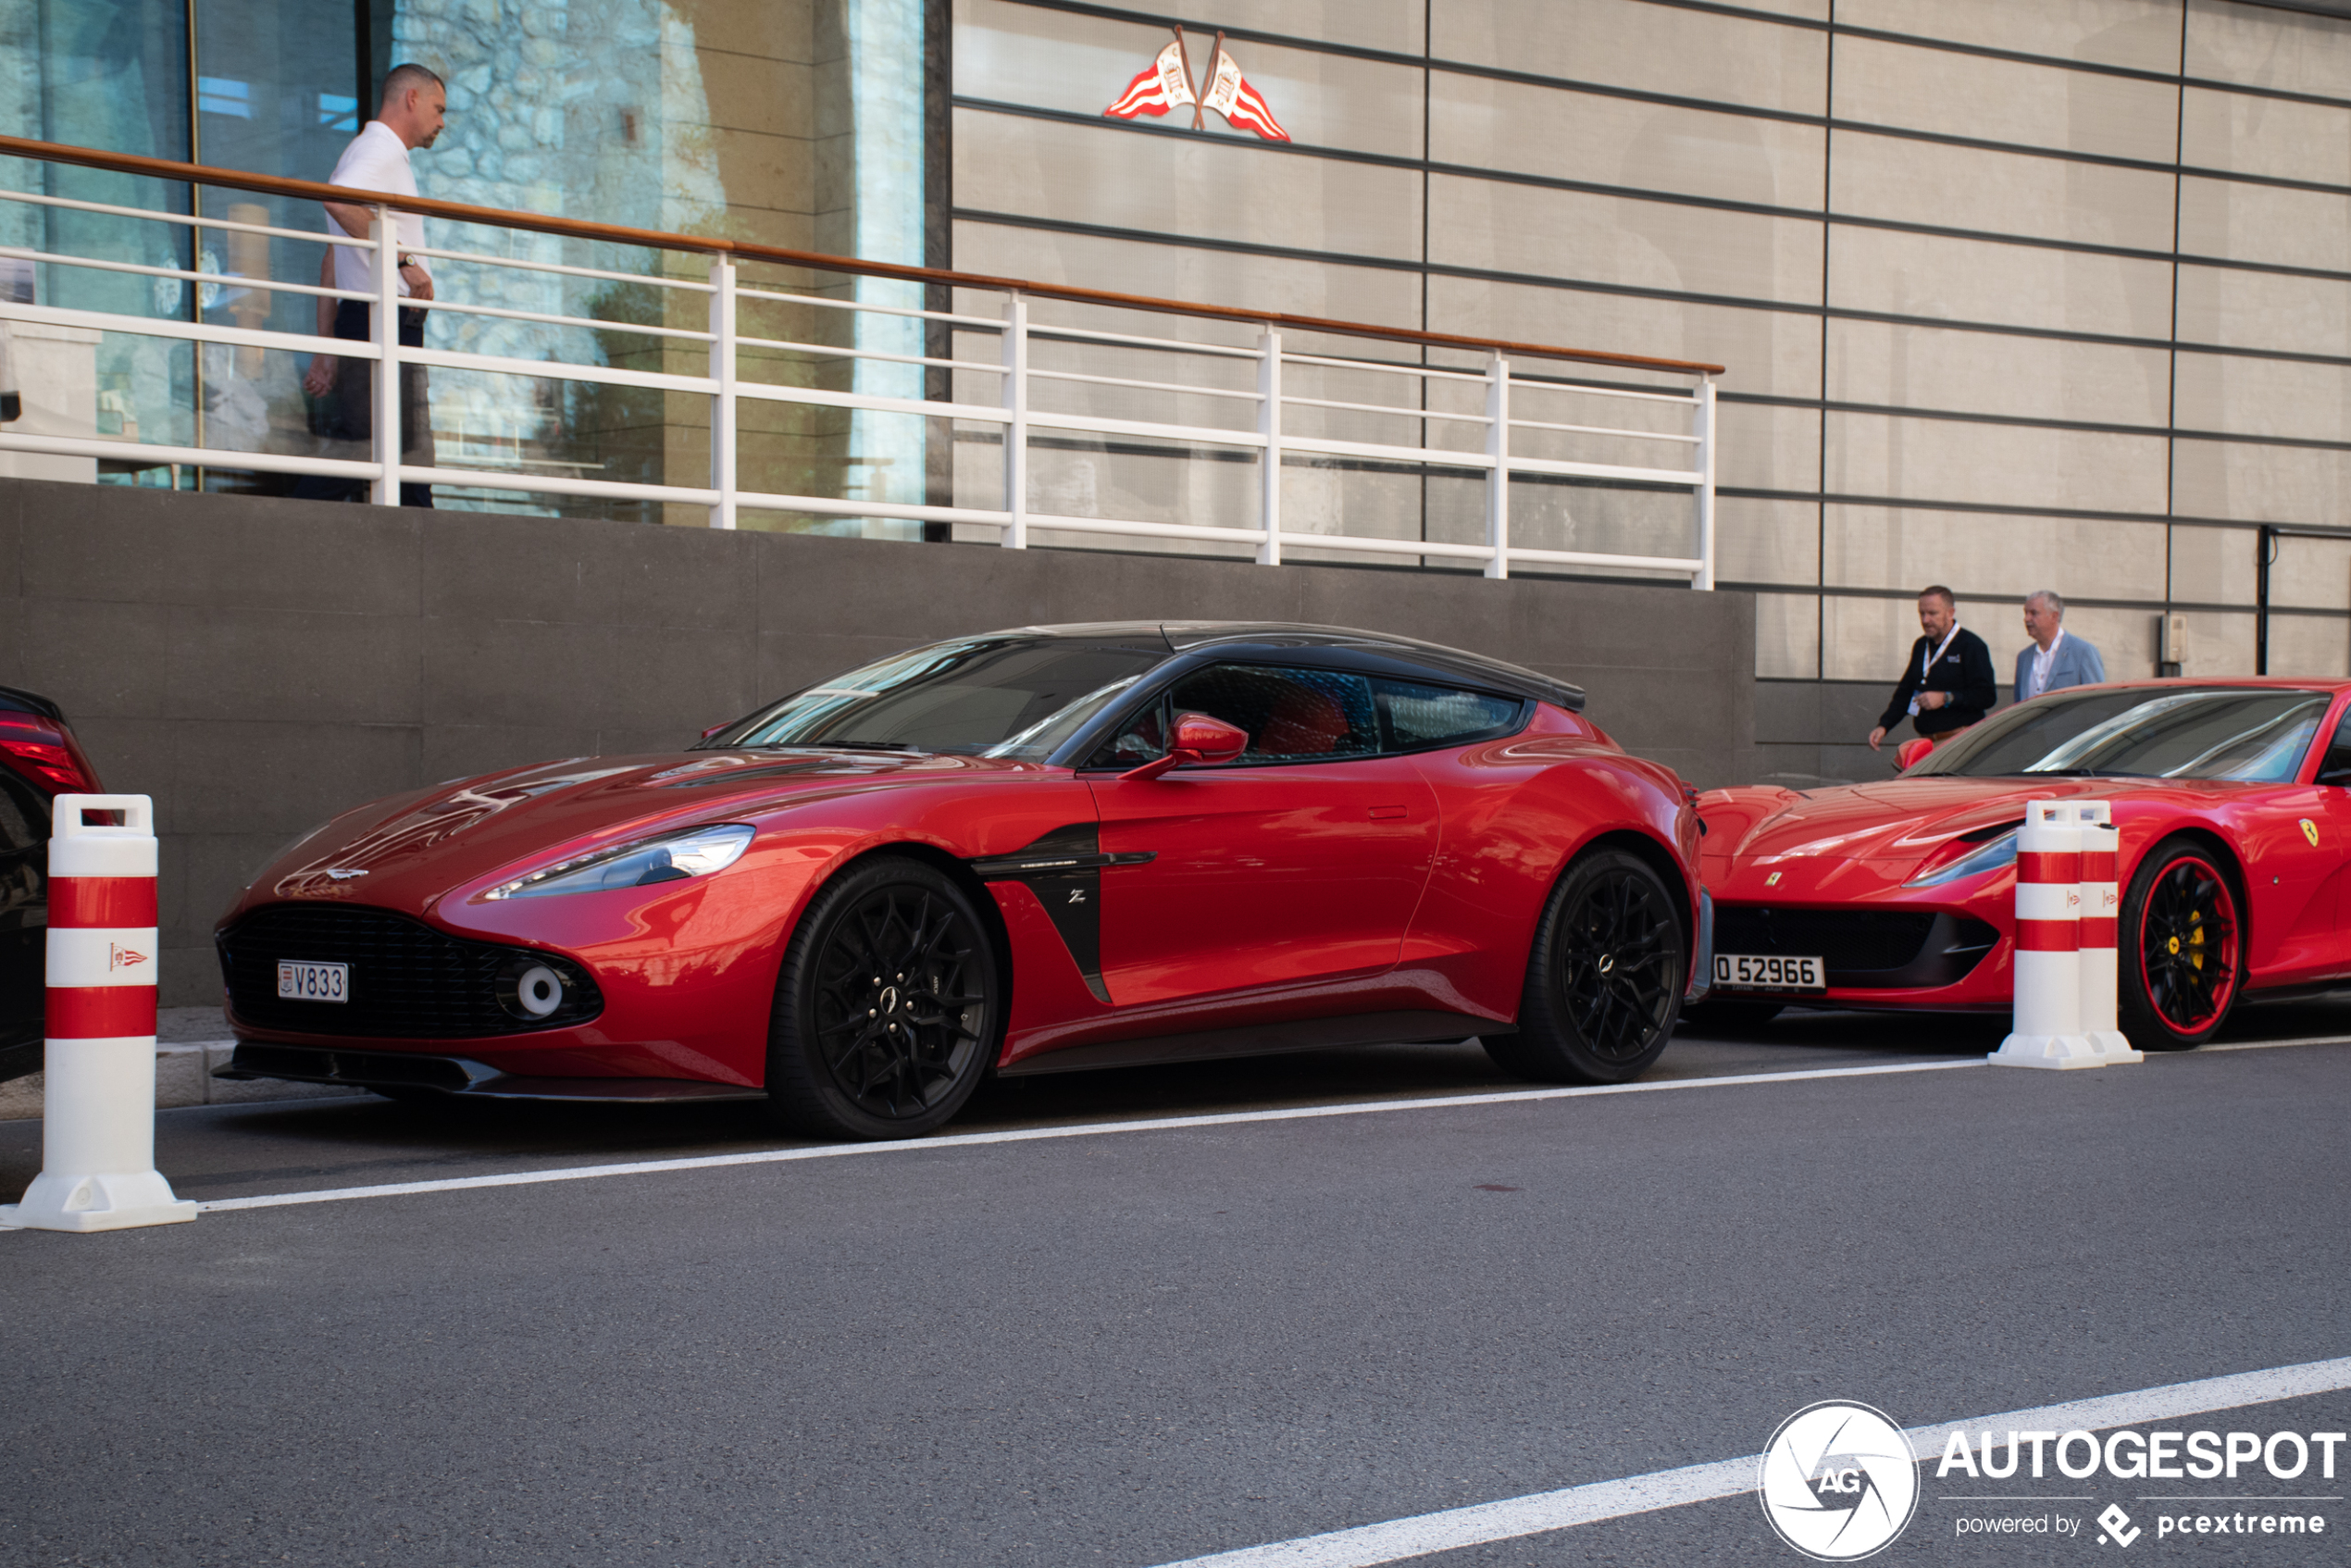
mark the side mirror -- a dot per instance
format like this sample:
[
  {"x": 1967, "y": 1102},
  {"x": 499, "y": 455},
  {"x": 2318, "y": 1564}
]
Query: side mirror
[
  {"x": 1909, "y": 752},
  {"x": 715, "y": 729},
  {"x": 1199, "y": 739}
]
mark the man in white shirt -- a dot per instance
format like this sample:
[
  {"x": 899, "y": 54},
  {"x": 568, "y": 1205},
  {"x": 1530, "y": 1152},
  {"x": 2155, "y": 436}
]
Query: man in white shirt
[
  {"x": 414, "y": 107},
  {"x": 2055, "y": 659}
]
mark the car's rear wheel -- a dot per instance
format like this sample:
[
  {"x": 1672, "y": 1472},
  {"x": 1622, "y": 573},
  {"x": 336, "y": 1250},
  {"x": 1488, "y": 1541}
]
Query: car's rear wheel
[
  {"x": 2181, "y": 957},
  {"x": 1605, "y": 979},
  {"x": 887, "y": 1013}
]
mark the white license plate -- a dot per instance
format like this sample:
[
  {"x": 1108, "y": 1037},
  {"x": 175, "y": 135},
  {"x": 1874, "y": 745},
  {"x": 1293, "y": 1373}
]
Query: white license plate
[
  {"x": 315, "y": 982},
  {"x": 1747, "y": 972}
]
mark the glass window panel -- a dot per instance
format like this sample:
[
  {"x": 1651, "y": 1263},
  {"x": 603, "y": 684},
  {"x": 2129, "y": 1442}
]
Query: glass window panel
[
  {"x": 1992, "y": 554},
  {"x": 1160, "y": 185},
  {"x": 1873, "y": 455},
  {"x": 2265, "y": 397},
  {"x": 1788, "y": 636},
  {"x": 2123, "y": 635},
  {"x": 2141, "y": 33},
  {"x": 1395, "y": 25},
  {"x": 1574, "y": 236},
  {"x": 2310, "y": 573},
  {"x": 2271, "y": 136},
  {"x": 1768, "y": 446},
  {"x": 1877, "y": 362},
  {"x": 1884, "y": 270},
  {"x": 1185, "y": 272},
  {"x": 2264, "y": 46},
  {"x": 1290, "y": 714},
  {"x": 1937, "y": 90},
  {"x": 2256, "y": 483},
  {"x": 2265, "y": 223},
  {"x": 111, "y": 74},
  {"x": 1419, "y": 715},
  {"x": 1056, "y": 61},
  {"x": 1867, "y": 639},
  {"x": 1765, "y": 352},
  {"x": 1484, "y": 123},
  {"x": 1758, "y": 540},
  {"x": 2219, "y": 644},
  {"x": 1999, "y": 193},
  {"x": 2214, "y": 567},
  {"x": 2310, "y": 645},
  {"x": 1688, "y": 54},
  {"x": 2264, "y": 310}
]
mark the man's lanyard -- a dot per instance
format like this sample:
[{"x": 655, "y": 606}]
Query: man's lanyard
[
  {"x": 2044, "y": 663},
  {"x": 1929, "y": 663},
  {"x": 1935, "y": 657}
]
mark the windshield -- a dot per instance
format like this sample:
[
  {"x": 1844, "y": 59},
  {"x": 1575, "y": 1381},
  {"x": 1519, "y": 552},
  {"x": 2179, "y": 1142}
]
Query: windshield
[
  {"x": 994, "y": 696},
  {"x": 2171, "y": 732}
]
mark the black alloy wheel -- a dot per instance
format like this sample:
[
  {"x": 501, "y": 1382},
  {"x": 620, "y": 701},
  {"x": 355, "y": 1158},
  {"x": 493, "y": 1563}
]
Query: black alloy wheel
[
  {"x": 887, "y": 1013},
  {"x": 2182, "y": 949},
  {"x": 1604, "y": 982}
]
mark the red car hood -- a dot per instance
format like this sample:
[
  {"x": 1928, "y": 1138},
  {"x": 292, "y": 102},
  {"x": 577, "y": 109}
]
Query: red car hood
[
  {"x": 1898, "y": 819},
  {"x": 410, "y": 851}
]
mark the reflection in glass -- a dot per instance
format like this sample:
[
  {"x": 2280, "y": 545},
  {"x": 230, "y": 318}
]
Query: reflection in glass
[{"x": 2214, "y": 733}]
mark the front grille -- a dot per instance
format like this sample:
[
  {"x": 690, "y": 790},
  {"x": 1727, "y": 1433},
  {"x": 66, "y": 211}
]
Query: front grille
[
  {"x": 408, "y": 981},
  {"x": 1840, "y": 939}
]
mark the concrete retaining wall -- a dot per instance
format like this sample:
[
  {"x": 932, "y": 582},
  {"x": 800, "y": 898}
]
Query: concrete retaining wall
[{"x": 258, "y": 665}]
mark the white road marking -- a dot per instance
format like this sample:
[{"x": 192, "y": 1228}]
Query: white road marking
[
  {"x": 1457, "y": 1527},
  {"x": 1031, "y": 1135}
]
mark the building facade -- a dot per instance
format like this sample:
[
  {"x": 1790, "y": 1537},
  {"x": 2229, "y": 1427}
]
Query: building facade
[{"x": 2012, "y": 293}]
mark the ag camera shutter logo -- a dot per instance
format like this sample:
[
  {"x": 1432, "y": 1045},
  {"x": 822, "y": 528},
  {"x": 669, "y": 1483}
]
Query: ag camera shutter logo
[{"x": 1838, "y": 1481}]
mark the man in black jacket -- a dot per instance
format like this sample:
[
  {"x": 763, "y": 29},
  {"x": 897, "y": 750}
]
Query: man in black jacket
[{"x": 1948, "y": 683}]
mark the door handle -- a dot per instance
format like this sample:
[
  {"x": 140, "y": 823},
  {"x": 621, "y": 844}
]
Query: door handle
[{"x": 1388, "y": 814}]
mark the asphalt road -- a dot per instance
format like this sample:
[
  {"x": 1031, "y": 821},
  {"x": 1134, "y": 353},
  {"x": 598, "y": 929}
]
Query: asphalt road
[{"x": 1133, "y": 1347}]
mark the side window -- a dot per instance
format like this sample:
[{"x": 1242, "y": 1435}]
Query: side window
[
  {"x": 1142, "y": 739},
  {"x": 2336, "y": 767},
  {"x": 1290, "y": 714},
  {"x": 1420, "y": 717}
]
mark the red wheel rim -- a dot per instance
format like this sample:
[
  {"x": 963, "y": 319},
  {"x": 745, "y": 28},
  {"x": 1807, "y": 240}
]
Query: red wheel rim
[{"x": 2188, "y": 945}]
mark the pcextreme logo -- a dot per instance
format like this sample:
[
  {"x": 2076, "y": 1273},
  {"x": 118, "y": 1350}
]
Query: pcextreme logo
[{"x": 1838, "y": 1481}]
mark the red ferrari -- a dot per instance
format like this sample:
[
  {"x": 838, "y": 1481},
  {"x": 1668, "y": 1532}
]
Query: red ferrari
[
  {"x": 2233, "y": 803},
  {"x": 1027, "y": 851}
]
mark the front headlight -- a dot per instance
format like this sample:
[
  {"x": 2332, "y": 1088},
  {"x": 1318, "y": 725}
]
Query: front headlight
[
  {"x": 1991, "y": 856},
  {"x": 672, "y": 858}
]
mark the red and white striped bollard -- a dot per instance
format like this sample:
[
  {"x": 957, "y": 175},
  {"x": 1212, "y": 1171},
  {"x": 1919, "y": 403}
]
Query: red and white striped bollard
[
  {"x": 98, "y": 1099},
  {"x": 2101, "y": 918},
  {"x": 2047, "y": 1031}
]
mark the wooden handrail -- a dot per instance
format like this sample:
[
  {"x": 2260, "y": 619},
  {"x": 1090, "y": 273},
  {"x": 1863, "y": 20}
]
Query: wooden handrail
[{"x": 313, "y": 190}]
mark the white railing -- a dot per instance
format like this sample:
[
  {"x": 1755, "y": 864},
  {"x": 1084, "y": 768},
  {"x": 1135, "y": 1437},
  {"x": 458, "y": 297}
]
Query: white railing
[{"x": 1463, "y": 407}]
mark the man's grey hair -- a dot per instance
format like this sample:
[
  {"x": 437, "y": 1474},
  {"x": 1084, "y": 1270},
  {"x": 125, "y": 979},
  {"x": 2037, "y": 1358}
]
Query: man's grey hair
[
  {"x": 399, "y": 79},
  {"x": 2048, "y": 598}
]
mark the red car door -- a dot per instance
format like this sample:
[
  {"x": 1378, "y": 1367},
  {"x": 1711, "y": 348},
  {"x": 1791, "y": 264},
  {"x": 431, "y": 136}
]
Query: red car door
[{"x": 1302, "y": 860}]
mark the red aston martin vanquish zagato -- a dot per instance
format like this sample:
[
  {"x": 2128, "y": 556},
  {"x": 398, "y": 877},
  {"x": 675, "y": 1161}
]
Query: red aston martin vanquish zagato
[
  {"x": 2233, "y": 799},
  {"x": 1031, "y": 850}
]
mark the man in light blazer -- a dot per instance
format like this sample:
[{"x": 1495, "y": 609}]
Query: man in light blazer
[{"x": 2055, "y": 659}]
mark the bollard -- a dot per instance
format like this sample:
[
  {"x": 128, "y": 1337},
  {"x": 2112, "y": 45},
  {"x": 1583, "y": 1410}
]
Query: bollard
[
  {"x": 2047, "y": 1027},
  {"x": 2101, "y": 916},
  {"x": 98, "y": 1106}
]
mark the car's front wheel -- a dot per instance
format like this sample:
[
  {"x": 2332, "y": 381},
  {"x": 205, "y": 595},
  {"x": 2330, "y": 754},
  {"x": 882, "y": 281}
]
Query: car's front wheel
[
  {"x": 2182, "y": 949},
  {"x": 886, "y": 1010},
  {"x": 1604, "y": 982}
]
